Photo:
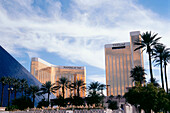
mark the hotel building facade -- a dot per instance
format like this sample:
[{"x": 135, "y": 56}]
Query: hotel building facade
[
  {"x": 45, "y": 71},
  {"x": 120, "y": 58}
]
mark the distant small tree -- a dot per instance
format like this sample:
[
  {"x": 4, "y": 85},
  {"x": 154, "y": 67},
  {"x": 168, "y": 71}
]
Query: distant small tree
[
  {"x": 101, "y": 88},
  {"x": 9, "y": 82},
  {"x": 94, "y": 86},
  {"x": 22, "y": 103},
  {"x": 166, "y": 59},
  {"x": 155, "y": 82},
  {"x": 112, "y": 105},
  {"x": 16, "y": 86},
  {"x": 77, "y": 101},
  {"x": 158, "y": 58},
  {"x": 79, "y": 85},
  {"x": 23, "y": 83},
  {"x": 94, "y": 96},
  {"x": 62, "y": 83},
  {"x": 147, "y": 98},
  {"x": 48, "y": 87},
  {"x": 33, "y": 90},
  {"x": 146, "y": 43},
  {"x": 138, "y": 74},
  {"x": 59, "y": 101},
  {"x": 26, "y": 88},
  {"x": 42, "y": 103},
  {"x": 3, "y": 82}
]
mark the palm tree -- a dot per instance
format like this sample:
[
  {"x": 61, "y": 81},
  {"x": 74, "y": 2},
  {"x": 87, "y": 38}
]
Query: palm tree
[
  {"x": 93, "y": 95},
  {"x": 78, "y": 85},
  {"x": 166, "y": 59},
  {"x": 119, "y": 97},
  {"x": 9, "y": 81},
  {"x": 23, "y": 83},
  {"x": 158, "y": 57},
  {"x": 16, "y": 86},
  {"x": 26, "y": 87},
  {"x": 62, "y": 83},
  {"x": 94, "y": 86},
  {"x": 3, "y": 82},
  {"x": 138, "y": 74},
  {"x": 101, "y": 88},
  {"x": 34, "y": 91},
  {"x": 47, "y": 87},
  {"x": 155, "y": 82},
  {"x": 146, "y": 43}
]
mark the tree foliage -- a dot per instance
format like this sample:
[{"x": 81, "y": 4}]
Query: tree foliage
[
  {"x": 22, "y": 103},
  {"x": 3, "y": 82},
  {"x": 47, "y": 87},
  {"x": 79, "y": 85},
  {"x": 59, "y": 101},
  {"x": 138, "y": 74},
  {"x": 146, "y": 43},
  {"x": 158, "y": 58},
  {"x": 148, "y": 98},
  {"x": 77, "y": 101},
  {"x": 112, "y": 105},
  {"x": 94, "y": 96},
  {"x": 62, "y": 83},
  {"x": 42, "y": 103},
  {"x": 33, "y": 90}
]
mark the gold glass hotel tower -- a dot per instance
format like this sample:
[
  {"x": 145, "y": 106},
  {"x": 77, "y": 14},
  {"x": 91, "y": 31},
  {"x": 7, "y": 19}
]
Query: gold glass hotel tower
[
  {"x": 120, "y": 58},
  {"x": 45, "y": 71}
]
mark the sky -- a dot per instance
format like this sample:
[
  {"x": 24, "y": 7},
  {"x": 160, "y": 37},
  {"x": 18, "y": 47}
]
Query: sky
[{"x": 74, "y": 32}]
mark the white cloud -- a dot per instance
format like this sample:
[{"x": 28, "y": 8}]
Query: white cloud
[
  {"x": 93, "y": 78},
  {"x": 90, "y": 24},
  {"x": 32, "y": 54}
]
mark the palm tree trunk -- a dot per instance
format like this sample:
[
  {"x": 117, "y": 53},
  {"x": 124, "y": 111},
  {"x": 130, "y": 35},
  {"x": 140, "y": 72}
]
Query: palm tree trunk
[
  {"x": 140, "y": 83},
  {"x": 48, "y": 97},
  {"x": 161, "y": 74},
  {"x": 150, "y": 64},
  {"x": 166, "y": 78},
  {"x": 15, "y": 93},
  {"x": 78, "y": 94},
  {"x": 22, "y": 91},
  {"x": 9, "y": 96},
  {"x": 63, "y": 91},
  {"x": 25, "y": 92},
  {"x": 102, "y": 92},
  {"x": 33, "y": 99},
  {"x": 2, "y": 95}
]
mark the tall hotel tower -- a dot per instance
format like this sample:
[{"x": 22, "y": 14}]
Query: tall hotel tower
[
  {"x": 45, "y": 71},
  {"x": 120, "y": 58}
]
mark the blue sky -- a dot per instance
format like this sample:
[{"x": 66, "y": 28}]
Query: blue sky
[{"x": 74, "y": 32}]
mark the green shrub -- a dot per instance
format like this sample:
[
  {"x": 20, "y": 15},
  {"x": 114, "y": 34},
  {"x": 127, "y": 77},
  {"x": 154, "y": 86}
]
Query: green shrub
[
  {"x": 77, "y": 101},
  {"x": 43, "y": 103},
  {"x": 59, "y": 101},
  {"x": 112, "y": 105},
  {"x": 11, "y": 108},
  {"x": 22, "y": 103}
]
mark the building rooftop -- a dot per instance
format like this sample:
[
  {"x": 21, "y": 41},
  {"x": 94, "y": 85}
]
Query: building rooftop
[
  {"x": 51, "y": 65},
  {"x": 134, "y": 33},
  {"x": 117, "y": 44}
]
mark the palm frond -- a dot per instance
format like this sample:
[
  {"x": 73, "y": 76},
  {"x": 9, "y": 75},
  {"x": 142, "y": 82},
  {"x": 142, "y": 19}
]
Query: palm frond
[{"x": 140, "y": 47}]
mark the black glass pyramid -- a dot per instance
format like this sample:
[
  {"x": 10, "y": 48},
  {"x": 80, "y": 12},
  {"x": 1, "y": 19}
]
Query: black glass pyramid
[{"x": 11, "y": 67}]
